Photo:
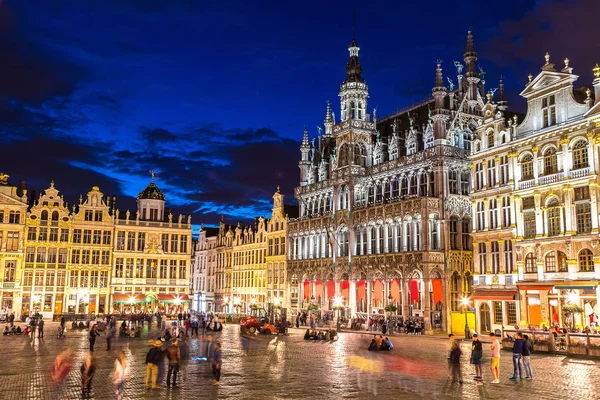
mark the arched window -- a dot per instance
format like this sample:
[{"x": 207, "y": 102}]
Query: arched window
[
  {"x": 454, "y": 237},
  {"x": 389, "y": 234},
  {"x": 550, "y": 162},
  {"x": 373, "y": 235},
  {"x": 456, "y": 291},
  {"x": 527, "y": 167},
  {"x": 395, "y": 187},
  {"x": 553, "y": 217},
  {"x": 586, "y": 261},
  {"x": 580, "y": 155},
  {"x": 562, "y": 262},
  {"x": 372, "y": 191},
  {"x": 44, "y": 216},
  {"x": 550, "y": 262},
  {"x": 403, "y": 186},
  {"x": 423, "y": 184},
  {"x": 398, "y": 237},
  {"x": 417, "y": 238},
  {"x": 381, "y": 244},
  {"x": 413, "y": 184},
  {"x": 408, "y": 227},
  {"x": 490, "y": 137},
  {"x": 530, "y": 267}
]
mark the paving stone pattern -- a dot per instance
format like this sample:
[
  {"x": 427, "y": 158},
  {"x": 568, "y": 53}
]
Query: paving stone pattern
[{"x": 287, "y": 367}]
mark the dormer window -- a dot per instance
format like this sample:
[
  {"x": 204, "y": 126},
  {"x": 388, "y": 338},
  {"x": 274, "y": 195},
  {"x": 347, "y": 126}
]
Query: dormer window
[
  {"x": 490, "y": 139},
  {"x": 549, "y": 111}
]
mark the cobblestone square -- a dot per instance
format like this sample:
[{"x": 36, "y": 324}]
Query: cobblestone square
[{"x": 287, "y": 367}]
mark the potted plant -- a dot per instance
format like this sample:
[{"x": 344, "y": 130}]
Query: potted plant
[
  {"x": 577, "y": 347},
  {"x": 540, "y": 344},
  {"x": 391, "y": 308}
]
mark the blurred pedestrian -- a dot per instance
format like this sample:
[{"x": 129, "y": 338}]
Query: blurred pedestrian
[
  {"x": 61, "y": 367},
  {"x": 216, "y": 360},
  {"x": 93, "y": 335},
  {"x": 153, "y": 358},
  {"x": 495, "y": 364},
  {"x": 110, "y": 334},
  {"x": 41, "y": 328},
  {"x": 455, "y": 354},
  {"x": 527, "y": 358},
  {"x": 174, "y": 357},
  {"x": 477, "y": 357},
  {"x": 449, "y": 345},
  {"x": 120, "y": 375},
  {"x": 88, "y": 368}
]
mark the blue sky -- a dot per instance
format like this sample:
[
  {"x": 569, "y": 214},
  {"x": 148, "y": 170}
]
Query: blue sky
[{"x": 214, "y": 95}]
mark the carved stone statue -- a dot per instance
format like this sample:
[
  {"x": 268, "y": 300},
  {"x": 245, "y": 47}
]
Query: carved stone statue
[
  {"x": 333, "y": 159},
  {"x": 451, "y": 84},
  {"x": 127, "y": 214},
  {"x": 459, "y": 67},
  {"x": 320, "y": 130},
  {"x": 394, "y": 126}
]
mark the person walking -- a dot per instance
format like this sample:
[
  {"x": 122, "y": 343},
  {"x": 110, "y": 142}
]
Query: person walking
[
  {"x": 153, "y": 358},
  {"x": 216, "y": 360},
  {"x": 455, "y": 354},
  {"x": 527, "y": 347},
  {"x": 188, "y": 326},
  {"x": 195, "y": 326},
  {"x": 88, "y": 369},
  {"x": 174, "y": 357},
  {"x": 110, "y": 334},
  {"x": 477, "y": 357},
  {"x": 517, "y": 355},
  {"x": 41, "y": 328},
  {"x": 495, "y": 364},
  {"x": 449, "y": 346},
  {"x": 11, "y": 319},
  {"x": 93, "y": 335},
  {"x": 120, "y": 375}
]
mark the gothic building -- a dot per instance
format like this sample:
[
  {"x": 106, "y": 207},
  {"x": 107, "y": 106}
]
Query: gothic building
[
  {"x": 385, "y": 209},
  {"x": 535, "y": 205}
]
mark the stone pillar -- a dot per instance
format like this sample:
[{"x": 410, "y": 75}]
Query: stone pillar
[
  {"x": 351, "y": 294},
  {"x": 536, "y": 162},
  {"x": 426, "y": 307},
  {"x": 539, "y": 217},
  {"x": 486, "y": 216},
  {"x": 300, "y": 294},
  {"x": 593, "y": 207},
  {"x": 488, "y": 257},
  {"x": 476, "y": 265},
  {"x": 567, "y": 159},
  {"x": 498, "y": 213},
  {"x": 405, "y": 299},
  {"x": 368, "y": 286},
  {"x": 485, "y": 173}
]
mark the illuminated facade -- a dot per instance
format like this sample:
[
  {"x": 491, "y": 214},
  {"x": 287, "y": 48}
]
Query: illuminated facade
[
  {"x": 222, "y": 268},
  {"x": 539, "y": 252},
  {"x": 277, "y": 291},
  {"x": 88, "y": 260},
  {"x": 203, "y": 272},
  {"x": 385, "y": 214},
  {"x": 151, "y": 257},
  {"x": 249, "y": 266},
  {"x": 13, "y": 212}
]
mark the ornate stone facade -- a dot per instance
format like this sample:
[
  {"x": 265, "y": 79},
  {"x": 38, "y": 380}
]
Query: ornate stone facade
[
  {"x": 384, "y": 207},
  {"x": 535, "y": 203}
]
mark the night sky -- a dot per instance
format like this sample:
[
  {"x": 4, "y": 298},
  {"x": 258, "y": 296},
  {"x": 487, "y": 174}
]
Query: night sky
[{"x": 214, "y": 95}]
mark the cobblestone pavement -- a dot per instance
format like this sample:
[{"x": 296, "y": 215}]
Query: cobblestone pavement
[{"x": 287, "y": 367}]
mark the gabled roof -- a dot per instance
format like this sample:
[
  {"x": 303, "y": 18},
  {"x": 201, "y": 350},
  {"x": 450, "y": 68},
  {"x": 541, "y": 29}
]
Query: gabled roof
[{"x": 548, "y": 80}]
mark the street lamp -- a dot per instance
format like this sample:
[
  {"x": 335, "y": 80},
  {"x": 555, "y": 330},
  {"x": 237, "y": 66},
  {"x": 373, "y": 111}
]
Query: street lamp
[
  {"x": 338, "y": 304},
  {"x": 465, "y": 303}
]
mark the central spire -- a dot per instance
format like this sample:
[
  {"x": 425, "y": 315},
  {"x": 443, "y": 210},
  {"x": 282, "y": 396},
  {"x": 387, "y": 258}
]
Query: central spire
[{"x": 353, "y": 67}]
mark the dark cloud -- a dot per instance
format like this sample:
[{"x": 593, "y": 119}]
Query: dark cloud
[{"x": 28, "y": 72}]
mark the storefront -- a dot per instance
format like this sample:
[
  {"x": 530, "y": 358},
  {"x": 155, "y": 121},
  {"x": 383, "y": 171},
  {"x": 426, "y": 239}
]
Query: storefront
[
  {"x": 572, "y": 304},
  {"x": 495, "y": 309},
  {"x": 131, "y": 303},
  {"x": 173, "y": 304}
]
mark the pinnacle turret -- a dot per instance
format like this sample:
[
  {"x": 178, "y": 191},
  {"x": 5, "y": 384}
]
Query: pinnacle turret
[
  {"x": 328, "y": 121},
  {"x": 502, "y": 103}
]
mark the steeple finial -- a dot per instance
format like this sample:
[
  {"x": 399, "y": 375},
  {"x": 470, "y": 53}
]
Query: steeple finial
[
  {"x": 328, "y": 117},
  {"x": 305, "y": 138},
  {"x": 439, "y": 80},
  {"x": 470, "y": 47},
  {"x": 547, "y": 57},
  {"x": 548, "y": 66},
  {"x": 596, "y": 72},
  {"x": 152, "y": 174}
]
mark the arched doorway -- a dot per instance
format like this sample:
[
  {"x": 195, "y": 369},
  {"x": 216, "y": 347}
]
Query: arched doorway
[{"x": 484, "y": 318}]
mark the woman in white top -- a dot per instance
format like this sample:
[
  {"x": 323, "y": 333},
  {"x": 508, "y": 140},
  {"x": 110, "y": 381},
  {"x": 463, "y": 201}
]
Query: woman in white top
[{"x": 120, "y": 375}]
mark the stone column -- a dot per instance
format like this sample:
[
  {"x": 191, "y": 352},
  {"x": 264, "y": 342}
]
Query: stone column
[
  {"x": 426, "y": 307},
  {"x": 498, "y": 213},
  {"x": 352, "y": 295},
  {"x": 502, "y": 266},
  {"x": 300, "y": 293},
  {"x": 539, "y": 217},
  {"x": 404, "y": 296},
  {"x": 567, "y": 159},
  {"x": 593, "y": 207},
  {"x": 488, "y": 257},
  {"x": 536, "y": 162},
  {"x": 486, "y": 216},
  {"x": 485, "y": 173},
  {"x": 368, "y": 286},
  {"x": 476, "y": 265}
]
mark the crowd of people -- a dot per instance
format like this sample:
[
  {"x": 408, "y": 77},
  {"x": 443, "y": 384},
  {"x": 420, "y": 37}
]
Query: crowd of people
[
  {"x": 168, "y": 351},
  {"x": 326, "y": 334},
  {"x": 380, "y": 343}
]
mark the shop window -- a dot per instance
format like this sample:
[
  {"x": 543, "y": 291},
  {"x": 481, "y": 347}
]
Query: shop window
[{"x": 511, "y": 313}]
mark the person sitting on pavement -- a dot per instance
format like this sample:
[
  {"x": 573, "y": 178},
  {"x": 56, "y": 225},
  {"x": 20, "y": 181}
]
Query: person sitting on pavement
[
  {"x": 328, "y": 335},
  {"x": 388, "y": 342},
  {"x": 7, "y": 330},
  {"x": 307, "y": 334},
  {"x": 379, "y": 340},
  {"x": 383, "y": 346},
  {"x": 26, "y": 331},
  {"x": 373, "y": 346}
]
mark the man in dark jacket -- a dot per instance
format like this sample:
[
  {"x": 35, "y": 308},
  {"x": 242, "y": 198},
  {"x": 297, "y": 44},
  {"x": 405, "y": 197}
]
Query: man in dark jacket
[
  {"x": 477, "y": 357},
  {"x": 152, "y": 360},
  {"x": 517, "y": 355},
  {"x": 93, "y": 335},
  {"x": 455, "y": 354}
]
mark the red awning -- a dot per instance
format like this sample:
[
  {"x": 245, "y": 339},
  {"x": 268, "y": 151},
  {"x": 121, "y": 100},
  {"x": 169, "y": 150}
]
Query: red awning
[
  {"x": 438, "y": 293},
  {"x": 128, "y": 298},
  {"x": 171, "y": 298},
  {"x": 494, "y": 295}
]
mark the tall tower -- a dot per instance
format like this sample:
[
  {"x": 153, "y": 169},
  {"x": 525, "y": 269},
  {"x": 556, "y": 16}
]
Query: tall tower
[
  {"x": 502, "y": 103},
  {"x": 151, "y": 202},
  {"x": 328, "y": 121},
  {"x": 472, "y": 75},
  {"x": 440, "y": 115},
  {"x": 304, "y": 163},
  {"x": 354, "y": 91}
]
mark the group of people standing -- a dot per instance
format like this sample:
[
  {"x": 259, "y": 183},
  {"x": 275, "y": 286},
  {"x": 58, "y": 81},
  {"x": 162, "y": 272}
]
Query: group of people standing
[{"x": 521, "y": 352}]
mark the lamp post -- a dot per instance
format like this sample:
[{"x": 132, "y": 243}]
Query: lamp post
[
  {"x": 465, "y": 303},
  {"x": 338, "y": 304}
]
